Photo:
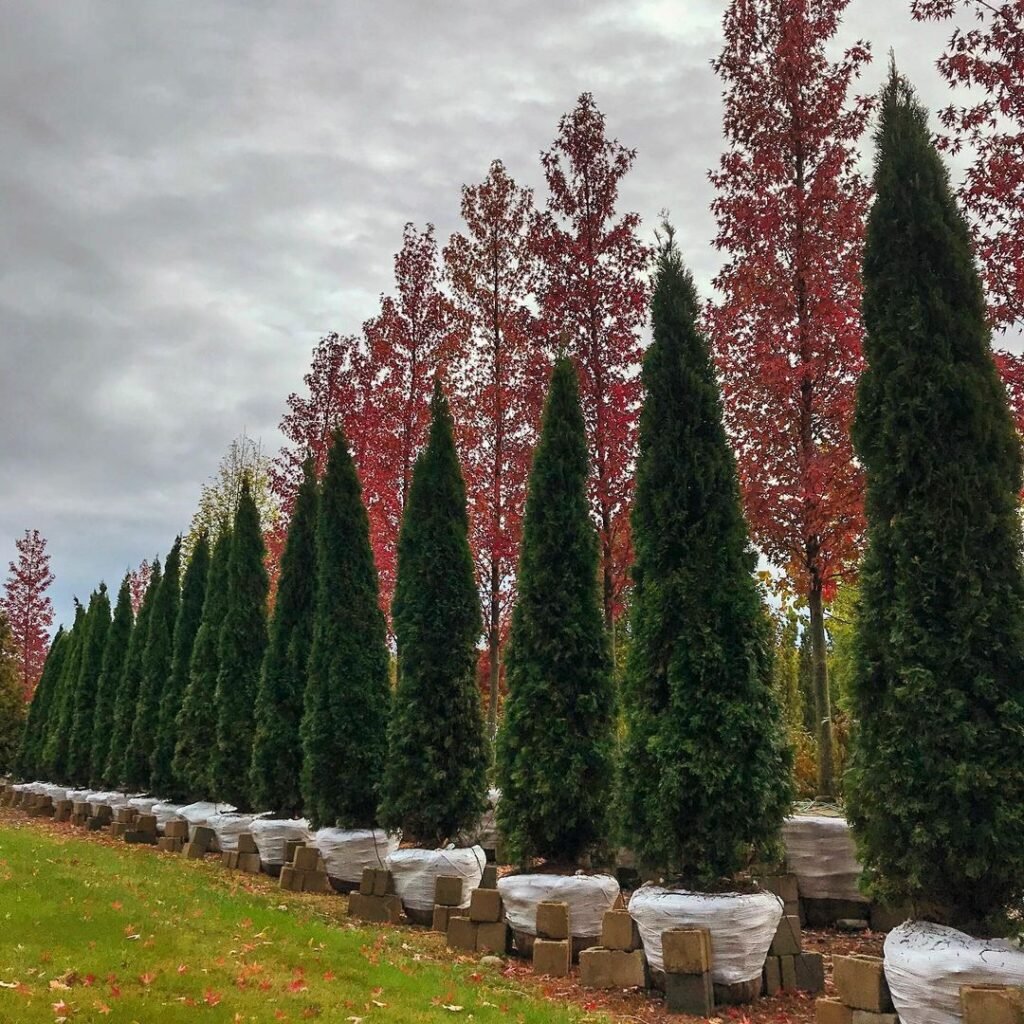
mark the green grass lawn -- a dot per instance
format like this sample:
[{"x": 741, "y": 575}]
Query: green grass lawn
[{"x": 92, "y": 930}]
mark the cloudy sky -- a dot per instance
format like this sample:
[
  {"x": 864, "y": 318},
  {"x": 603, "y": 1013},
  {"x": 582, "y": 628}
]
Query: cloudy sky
[{"x": 194, "y": 192}]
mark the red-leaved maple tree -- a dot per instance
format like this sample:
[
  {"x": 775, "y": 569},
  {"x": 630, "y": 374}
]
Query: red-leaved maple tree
[
  {"x": 988, "y": 60},
  {"x": 593, "y": 295},
  {"x": 138, "y": 583},
  {"x": 498, "y": 388},
  {"x": 787, "y": 333},
  {"x": 413, "y": 340},
  {"x": 27, "y": 608}
]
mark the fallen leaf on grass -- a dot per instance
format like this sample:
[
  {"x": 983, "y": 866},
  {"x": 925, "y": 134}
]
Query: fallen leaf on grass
[{"x": 211, "y": 998}]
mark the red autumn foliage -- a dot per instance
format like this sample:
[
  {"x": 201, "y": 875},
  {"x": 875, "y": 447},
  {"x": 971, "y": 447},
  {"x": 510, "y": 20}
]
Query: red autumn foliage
[
  {"x": 988, "y": 59},
  {"x": 593, "y": 295},
  {"x": 414, "y": 339},
  {"x": 497, "y": 389},
  {"x": 138, "y": 583},
  {"x": 27, "y": 608},
  {"x": 787, "y": 334}
]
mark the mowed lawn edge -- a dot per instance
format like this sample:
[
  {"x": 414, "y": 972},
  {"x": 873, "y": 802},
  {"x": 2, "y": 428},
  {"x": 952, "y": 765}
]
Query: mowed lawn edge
[{"x": 96, "y": 930}]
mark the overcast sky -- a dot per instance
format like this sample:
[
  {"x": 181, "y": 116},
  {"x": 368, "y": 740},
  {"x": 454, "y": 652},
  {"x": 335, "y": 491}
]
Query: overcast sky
[{"x": 192, "y": 193}]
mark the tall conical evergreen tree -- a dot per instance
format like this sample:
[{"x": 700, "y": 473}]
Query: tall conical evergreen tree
[
  {"x": 435, "y": 781},
  {"x": 556, "y": 744},
  {"x": 276, "y": 772},
  {"x": 80, "y": 744},
  {"x": 196, "y": 722},
  {"x": 111, "y": 671},
  {"x": 243, "y": 641},
  {"x": 156, "y": 667},
  {"x": 131, "y": 683},
  {"x": 58, "y": 731},
  {"x": 348, "y": 693},
  {"x": 190, "y": 612},
  {"x": 706, "y": 771},
  {"x": 12, "y": 700},
  {"x": 936, "y": 792},
  {"x": 29, "y": 762}
]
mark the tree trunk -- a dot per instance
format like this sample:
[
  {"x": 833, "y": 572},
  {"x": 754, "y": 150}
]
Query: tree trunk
[
  {"x": 494, "y": 653},
  {"x": 822, "y": 702}
]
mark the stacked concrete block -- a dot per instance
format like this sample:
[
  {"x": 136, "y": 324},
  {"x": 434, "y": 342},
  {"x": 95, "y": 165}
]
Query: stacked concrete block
[
  {"x": 124, "y": 819},
  {"x": 863, "y": 993},
  {"x": 787, "y": 967},
  {"x": 81, "y": 812},
  {"x": 199, "y": 844},
  {"x": 992, "y": 1004},
  {"x": 306, "y": 872},
  {"x": 142, "y": 830},
  {"x": 62, "y": 810},
  {"x": 447, "y": 902},
  {"x": 170, "y": 844},
  {"x": 38, "y": 805},
  {"x": 489, "y": 879},
  {"x": 487, "y": 912},
  {"x": 552, "y": 949},
  {"x": 248, "y": 854},
  {"x": 102, "y": 817},
  {"x": 619, "y": 961},
  {"x": 687, "y": 956},
  {"x": 375, "y": 900},
  {"x": 481, "y": 929}
]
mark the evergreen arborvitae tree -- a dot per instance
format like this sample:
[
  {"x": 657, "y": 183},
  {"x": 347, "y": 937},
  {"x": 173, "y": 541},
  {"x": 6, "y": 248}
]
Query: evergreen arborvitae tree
[
  {"x": 12, "y": 701},
  {"x": 58, "y": 730},
  {"x": 435, "y": 780},
  {"x": 112, "y": 669},
  {"x": 556, "y": 744},
  {"x": 29, "y": 761},
  {"x": 243, "y": 640},
  {"x": 706, "y": 773},
  {"x": 156, "y": 667},
  {"x": 196, "y": 722},
  {"x": 190, "y": 612},
  {"x": 131, "y": 684},
  {"x": 348, "y": 692},
  {"x": 80, "y": 744},
  {"x": 936, "y": 791},
  {"x": 275, "y": 777}
]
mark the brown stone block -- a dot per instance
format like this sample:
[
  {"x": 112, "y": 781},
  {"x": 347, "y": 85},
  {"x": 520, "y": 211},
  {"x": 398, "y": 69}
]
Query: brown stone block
[
  {"x": 771, "y": 977},
  {"x": 992, "y": 1004},
  {"x": 366, "y": 882},
  {"x": 249, "y": 862},
  {"x": 383, "y": 883},
  {"x": 492, "y": 937},
  {"x": 146, "y": 823},
  {"x": 290, "y": 879},
  {"x": 832, "y": 1011},
  {"x": 202, "y": 836},
  {"x": 290, "y": 846},
  {"x": 125, "y": 815},
  {"x": 485, "y": 905},
  {"x": 307, "y": 858},
  {"x": 177, "y": 829},
  {"x": 315, "y": 881},
  {"x": 462, "y": 933},
  {"x": 860, "y": 982},
  {"x": 489, "y": 880},
  {"x": 192, "y": 852},
  {"x": 691, "y": 994},
  {"x": 118, "y": 829},
  {"x": 552, "y": 957},
  {"x": 246, "y": 843},
  {"x": 229, "y": 858},
  {"x": 686, "y": 950},
  {"x": 552, "y": 919},
  {"x": 104, "y": 811},
  {"x": 170, "y": 844},
  {"x": 787, "y": 937},
  {"x": 810, "y": 972},
  {"x": 619, "y": 931},
  {"x": 448, "y": 891}
]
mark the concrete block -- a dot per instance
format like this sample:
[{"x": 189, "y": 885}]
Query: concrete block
[
  {"x": 442, "y": 916},
  {"x": 784, "y": 886},
  {"x": 366, "y": 882},
  {"x": 125, "y": 815},
  {"x": 82, "y": 807},
  {"x": 832, "y": 1011},
  {"x": 884, "y": 919},
  {"x": 462, "y": 933},
  {"x": 788, "y": 971},
  {"x": 691, "y": 994},
  {"x": 860, "y": 982},
  {"x": 552, "y": 919},
  {"x": 992, "y": 1004},
  {"x": 771, "y": 977},
  {"x": 229, "y": 858},
  {"x": 552, "y": 957},
  {"x": 737, "y": 994},
  {"x": 619, "y": 931},
  {"x": 315, "y": 881},
  {"x": 867, "y": 1017},
  {"x": 95, "y": 824},
  {"x": 170, "y": 844},
  {"x": 146, "y": 823},
  {"x": 177, "y": 829},
  {"x": 383, "y": 883},
  {"x": 246, "y": 843},
  {"x": 686, "y": 950},
  {"x": 490, "y": 877},
  {"x": 249, "y": 862},
  {"x": 290, "y": 879},
  {"x": 629, "y": 969},
  {"x": 787, "y": 937},
  {"x": 306, "y": 858},
  {"x": 377, "y": 909},
  {"x": 485, "y": 906},
  {"x": 448, "y": 891},
  {"x": 133, "y": 835},
  {"x": 810, "y": 972},
  {"x": 118, "y": 829},
  {"x": 202, "y": 836},
  {"x": 492, "y": 937},
  {"x": 191, "y": 851},
  {"x": 290, "y": 846},
  {"x": 596, "y": 968}
]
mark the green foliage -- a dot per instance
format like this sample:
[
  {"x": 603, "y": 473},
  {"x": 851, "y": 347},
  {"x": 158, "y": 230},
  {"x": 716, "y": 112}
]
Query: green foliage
[
  {"x": 243, "y": 640},
  {"x": 706, "y": 770},
  {"x": 277, "y": 746},
  {"x": 556, "y": 744},
  {"x": 30, "y": 754},
  {"x": 786, "y": 668},
  {"x": 156, "y": 667},
  {"x": 435, "y": 783},
  {"x": 196, "y": 723},
  {"x": 115, "y": 653},
  {"x": 806, "y": 669},
  {"x": 58, "y": 732},
  {"x": 97, "y": 624},
  {"x": 190, "y": 612},
  {"x": 131, "y": 684},
  {"x": 12, "y": 701},
  {"x": 936, "y": 791},
  {"x": 348, "y": 694}
]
